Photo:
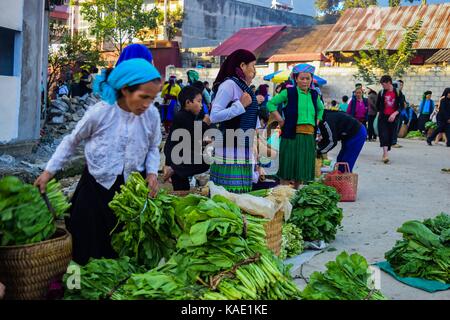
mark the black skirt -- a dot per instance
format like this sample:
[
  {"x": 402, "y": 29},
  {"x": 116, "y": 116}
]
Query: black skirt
[{"x": 91, "y": 220}]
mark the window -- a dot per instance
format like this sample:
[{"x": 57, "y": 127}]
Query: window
[{"x": 6, "y": 52}]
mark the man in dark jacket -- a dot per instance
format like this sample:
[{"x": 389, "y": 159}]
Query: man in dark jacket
[{"x": 339, "y": 126}]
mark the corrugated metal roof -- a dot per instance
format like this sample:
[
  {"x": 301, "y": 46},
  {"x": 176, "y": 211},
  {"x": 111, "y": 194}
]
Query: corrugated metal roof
[
  {"x": 252, "y": 39},
  {"x": 311, "y": 40},
  {"x": 358, "y": 26},
  {"x": 442, "y": 55}
]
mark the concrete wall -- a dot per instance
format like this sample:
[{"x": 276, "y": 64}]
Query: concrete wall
[
  {"x": 31, "y": 73},
  {"x": 208, "y": 23},
  {"x": 11, "y": 13},
  {"x": 419, "y": 79},
  {"x": 9, "y": 111}
]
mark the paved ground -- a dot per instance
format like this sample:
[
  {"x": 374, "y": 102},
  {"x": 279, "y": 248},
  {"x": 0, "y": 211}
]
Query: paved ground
[{"x": 412, "y": 186}]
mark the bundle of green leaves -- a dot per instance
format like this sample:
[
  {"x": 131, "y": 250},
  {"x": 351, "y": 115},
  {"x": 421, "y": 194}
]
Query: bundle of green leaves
[
  {"x": 347, "y": 278},
  {"x": 424, "y": 251},
  {"x": 291, "y": 242},
  {"x": 148, "y": 225},
  {"x": 100, "y": 279},
  {"x": 25, "y": 218},
  {"x": 414, "y": 135},
  {"x": 316, "y": 212},
  {"x": 430, "y": 125}
]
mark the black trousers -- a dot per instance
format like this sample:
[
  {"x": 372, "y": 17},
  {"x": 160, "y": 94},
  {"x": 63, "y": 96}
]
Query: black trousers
[
  {"x": 370, "y": 129},
  {"x": 386, "y": 130},
  {"x": 180, "y": 183},
  {"x": 423, "y": 119},
  {"x": 444, "y": 126},
  {"x": 91, "y": 220},
  {"x": 396, "y": 130}
]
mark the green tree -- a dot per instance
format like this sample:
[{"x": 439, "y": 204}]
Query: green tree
[
  {"x": 378, "y": 58},
  {"x": 118, "y": 21},
  {"x": 174, "y": 23},
  {"x": 330, "y": 10},
  {"x": 397, "y": 3},
  {"x": 73, "y": 54}
]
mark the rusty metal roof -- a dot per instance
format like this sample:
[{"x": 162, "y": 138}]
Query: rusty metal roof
[
  {"x": 442, "y": 55},
  {"x": 300, "y": 43},
  {"x": 252, "y": 39},
  {"x": 358, "y": 26}
]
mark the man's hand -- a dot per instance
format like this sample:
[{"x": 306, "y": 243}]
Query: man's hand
[
  {"x": 393, "y": 116},
  {"x": 42, "y": 180},
  {"x": 153, "y": 185}
]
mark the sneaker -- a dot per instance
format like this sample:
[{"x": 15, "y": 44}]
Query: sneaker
[
  {"x": 429, "y": 142},
  {"x": 397, "y": 146}
]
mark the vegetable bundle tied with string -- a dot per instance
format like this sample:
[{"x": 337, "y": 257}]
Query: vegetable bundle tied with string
[{"x": 25, "y": 217}]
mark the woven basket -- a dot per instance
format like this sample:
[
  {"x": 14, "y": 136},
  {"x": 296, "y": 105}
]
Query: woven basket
[
  {"x": 27, "y": 270},
  {"x": 273, "y": 232},
  {"x": 346, "y": 184},
  {"x": 273, "y": 228}
]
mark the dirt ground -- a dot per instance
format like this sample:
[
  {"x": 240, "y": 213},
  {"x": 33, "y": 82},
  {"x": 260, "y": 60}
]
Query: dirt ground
[{"x": 411, "y": 187}]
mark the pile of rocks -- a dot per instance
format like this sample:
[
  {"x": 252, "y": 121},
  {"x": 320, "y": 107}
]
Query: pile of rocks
[{"x": 65, "y": 112}]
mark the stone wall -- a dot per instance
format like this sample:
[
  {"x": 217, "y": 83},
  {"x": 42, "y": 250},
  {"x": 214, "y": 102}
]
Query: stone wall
[
  {"x": 417, "y": 80},
  {"x": 208, "y": 23}
]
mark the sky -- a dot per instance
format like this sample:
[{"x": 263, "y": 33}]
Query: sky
[{"x": 307, "y": 6}]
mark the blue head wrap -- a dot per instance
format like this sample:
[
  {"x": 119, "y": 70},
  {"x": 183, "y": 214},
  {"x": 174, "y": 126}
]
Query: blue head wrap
[
  {"x": 128, "y": 73},
  {"x": 134, "y": 51},
  {"x": 303, "y": 67}
]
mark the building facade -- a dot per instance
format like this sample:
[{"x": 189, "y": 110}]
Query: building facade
[{"x": 23, "y": 26}]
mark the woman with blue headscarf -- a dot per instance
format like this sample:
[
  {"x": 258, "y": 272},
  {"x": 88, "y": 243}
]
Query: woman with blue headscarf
[
  {"x": 122, "y": 135},
  {"x": 302, "y": 109}
]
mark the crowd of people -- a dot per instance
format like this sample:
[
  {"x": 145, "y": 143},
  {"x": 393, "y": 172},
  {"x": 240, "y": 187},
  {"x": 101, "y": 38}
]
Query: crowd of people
[{"x": 124, "y": 131}]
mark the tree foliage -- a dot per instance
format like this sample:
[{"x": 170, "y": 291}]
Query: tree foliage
[
  {"x": 378, "y": 58},
  {"x": 74, "y": 53},
  {"x": 118, "y": 21},
  {"x": 330, "y": 10},
  {"x": 174, "y": 23},
  {"x": 397, "y": 3}
]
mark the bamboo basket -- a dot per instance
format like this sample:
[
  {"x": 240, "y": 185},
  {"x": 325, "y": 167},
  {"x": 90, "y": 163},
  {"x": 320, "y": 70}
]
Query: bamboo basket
[
  {"x": 273, "y": 228},
  {"x": 28, "y": 270},
  {"x": 274, "y": 231}
]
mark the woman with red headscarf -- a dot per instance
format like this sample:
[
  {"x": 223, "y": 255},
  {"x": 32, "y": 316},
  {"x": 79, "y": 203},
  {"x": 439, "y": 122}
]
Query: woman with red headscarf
[{"x": 235, "y": 109}]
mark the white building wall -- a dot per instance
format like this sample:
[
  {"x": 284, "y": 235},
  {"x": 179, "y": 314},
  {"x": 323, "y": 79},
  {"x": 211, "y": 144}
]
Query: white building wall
[
  {"x": 11, "y": 14},
  {"x": 9, "y": 108}
]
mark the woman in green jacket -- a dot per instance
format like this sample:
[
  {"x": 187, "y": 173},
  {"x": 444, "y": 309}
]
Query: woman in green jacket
[{"x": 302, "y": 111}]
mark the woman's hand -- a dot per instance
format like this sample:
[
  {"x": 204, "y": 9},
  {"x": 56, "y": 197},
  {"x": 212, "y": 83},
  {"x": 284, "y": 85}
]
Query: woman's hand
[
  {"x": 278, "y": 119},
  {"x": 246, "y": 99},
  {"x": 42, "y": 181},
  {"x": 153, "y": 185},
  {"x": 260, "y": 99}
]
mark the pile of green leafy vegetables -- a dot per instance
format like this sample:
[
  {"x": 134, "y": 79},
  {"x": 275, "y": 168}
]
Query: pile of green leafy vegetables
[
  {"x": 316, "y": 212},
  {"x": 146, "y": 232},
  {"x": 424, "y": 251},
  {"x": 414, "y": 135},
  {"x": 291, "y": 242},
  {"x": 25, "y": 217},
  {"x": 431, "y": 125},
  {"x": 219, "y": 253},
  {"x": 347, "y": 278}
]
